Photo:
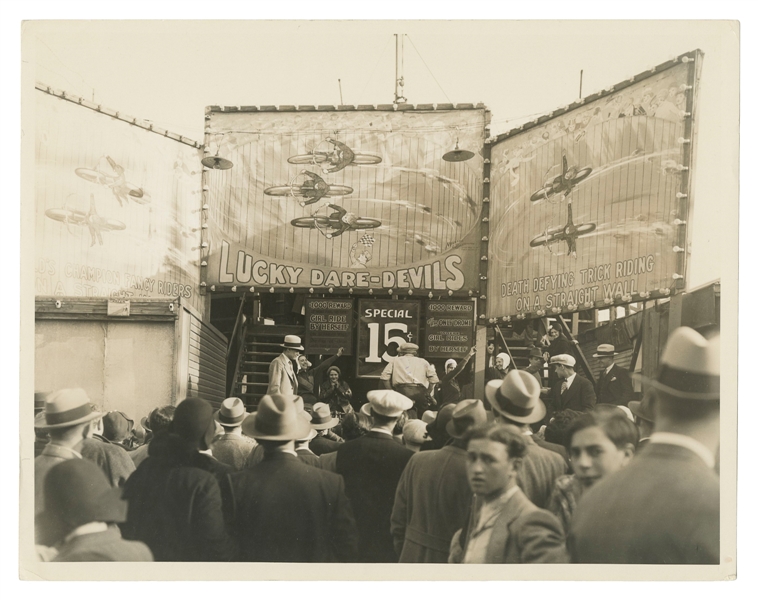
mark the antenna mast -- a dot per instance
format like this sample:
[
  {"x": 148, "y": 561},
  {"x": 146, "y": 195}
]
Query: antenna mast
[{"x": 399, "y": 81}]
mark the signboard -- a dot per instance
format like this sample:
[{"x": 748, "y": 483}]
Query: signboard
[
  {"x": 117, "y": 208},
  {"x": 328, "y": 326},
  {"x": 345, "y": 199},
  {"x": 384, "y": 325},
  {"x": 590, "y": 206},
  {"x": 449, "y": 329}
]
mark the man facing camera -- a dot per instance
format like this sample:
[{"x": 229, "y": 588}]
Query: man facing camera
[{"x": 504, "y": 526}]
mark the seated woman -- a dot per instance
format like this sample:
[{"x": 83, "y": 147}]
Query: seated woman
[
  {"x": 599, "y": 443},
  {"x": 336, "y": 393},
  {"x": 448, "y": 390}
]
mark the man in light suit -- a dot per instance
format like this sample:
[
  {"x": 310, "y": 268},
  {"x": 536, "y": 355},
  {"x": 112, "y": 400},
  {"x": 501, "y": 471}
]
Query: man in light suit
[
  {"x": 571, "y": 390},
  {"x": 433, "y": 496},
  {"x": 664, "y": 506},
  {"x": 281, "y": 373},
  {"x": 614, "y": 386},
  {"x": 503, "y": 525},
  {"x": 516, "y": 401}
]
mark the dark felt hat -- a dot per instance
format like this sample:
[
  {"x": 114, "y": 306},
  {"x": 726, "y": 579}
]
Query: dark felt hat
[
  {"x": 116, "y": 426},
  {"x": 193, "y": 421}
]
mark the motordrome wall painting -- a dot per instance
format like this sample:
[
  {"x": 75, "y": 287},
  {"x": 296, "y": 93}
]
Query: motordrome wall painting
[
  {"x": 117, "y": 208},
  {"x": 586, "y": 205},
  {"x": 345, "y": 199}
]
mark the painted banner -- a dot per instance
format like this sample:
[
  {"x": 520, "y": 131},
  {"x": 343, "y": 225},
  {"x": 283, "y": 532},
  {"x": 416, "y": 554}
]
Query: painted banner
[
  {"x": 586, "y": 205},
  {"x": 117, "y": 208},
  {"x": 384, "y": 325},
  {"x": 345, "y": 199},
  {"x": 449, "y": 329},
  {"x": 329, "y": 325}
]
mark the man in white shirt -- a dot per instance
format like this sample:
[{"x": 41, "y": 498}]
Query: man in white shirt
[
  {"x": 664, "y": 507},
  {"x": 503, "y": 525},
  {"x": 412, "y": 377}
]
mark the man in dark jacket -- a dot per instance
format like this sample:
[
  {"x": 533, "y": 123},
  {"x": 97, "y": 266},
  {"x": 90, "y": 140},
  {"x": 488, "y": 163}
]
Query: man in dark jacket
[
  {"x": 175, "y": 502},
  {"x": 111, "y": 456},
  {"x": 614, "y": 385},
  {"x": 433, "y": 496},
  {"x": 571, "y": 391},
  {"x": 309, "y": 377},
  {"x": 286, "y": 510},
  {"x": 372, "y": 466}
]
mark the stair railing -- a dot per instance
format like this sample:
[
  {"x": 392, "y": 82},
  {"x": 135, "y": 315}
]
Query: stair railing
[
  {"x": 236, "y": 348},
  {"x": 505, "y": 345}
]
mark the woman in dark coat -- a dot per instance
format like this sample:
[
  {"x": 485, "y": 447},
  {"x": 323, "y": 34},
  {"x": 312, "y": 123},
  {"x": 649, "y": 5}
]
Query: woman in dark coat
[
  {"x": 336, "y": 393},
  {"x": 448, "y": 389}
]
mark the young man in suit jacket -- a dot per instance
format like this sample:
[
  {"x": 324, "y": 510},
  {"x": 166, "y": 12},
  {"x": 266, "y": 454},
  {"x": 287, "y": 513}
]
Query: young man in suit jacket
[
  {"x": 372, "y": 465},
  {"x": 571, "y": 390},
  {"x": 664, "y": 506},
  {"x": 614, "y": 386},
  {"x": 503, "y": 525},
  {"x": 285, "y": 509}
]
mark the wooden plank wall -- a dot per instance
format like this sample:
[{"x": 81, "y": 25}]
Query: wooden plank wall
[{"x": 207, "y": 362}]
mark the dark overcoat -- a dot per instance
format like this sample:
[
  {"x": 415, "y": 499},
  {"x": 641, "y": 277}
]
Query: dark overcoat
[
  {"x": 614, "y": 387},
  {"x": 663, "y": 508},
  {"x": 288, "y": 511},
  {"x": 372, "y": 465},
  {"x": 431, "y": 504},
  {"x": 580, "y": 396}
]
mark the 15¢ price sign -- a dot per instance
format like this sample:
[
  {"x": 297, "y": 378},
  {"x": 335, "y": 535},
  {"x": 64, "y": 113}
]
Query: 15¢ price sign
[{"x": 382, "y": 327}]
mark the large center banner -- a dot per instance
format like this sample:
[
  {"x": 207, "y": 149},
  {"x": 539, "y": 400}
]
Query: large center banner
[
  {"x": 117, "y": 208},
  {"x": 587, "y": 206},
  {"x": 345, "y": 199}
]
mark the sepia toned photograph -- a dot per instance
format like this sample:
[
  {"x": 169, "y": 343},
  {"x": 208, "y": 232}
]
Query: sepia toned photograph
[{"x": 379, "y": 300}]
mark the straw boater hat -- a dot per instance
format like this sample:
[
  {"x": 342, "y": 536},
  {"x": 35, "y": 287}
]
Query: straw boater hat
[
  {"x": 77, "y": 492},
  {"x": 65, "y": 408},
  {"x": 278, "y": 419},
  {"x": 467, "y": 414},
  {"x": 605, "y": 350},
  {"x": 292, "y": 342},
  {"x": 517, "y": 397},
  {"x": 231, "y": 413},
  {"x": 563, "y": 359},
  {"x": 322, "y": 417},
  {"x": 388, "y": 403},
  {"x": 690, "y": 367}
]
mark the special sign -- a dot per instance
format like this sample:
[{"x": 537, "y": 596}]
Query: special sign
[
  {"x": 449, "y": 329},
  {"x": 329, "y": 326},
  {"x": 383, "y": 326}
]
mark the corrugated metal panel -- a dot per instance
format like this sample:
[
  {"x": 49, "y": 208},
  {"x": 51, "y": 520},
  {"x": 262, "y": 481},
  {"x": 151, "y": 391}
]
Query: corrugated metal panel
[{"x": 207, "y": 362}]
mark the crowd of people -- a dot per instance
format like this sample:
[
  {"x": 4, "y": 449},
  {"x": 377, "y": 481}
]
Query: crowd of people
[{"x": 525, "y": 474}]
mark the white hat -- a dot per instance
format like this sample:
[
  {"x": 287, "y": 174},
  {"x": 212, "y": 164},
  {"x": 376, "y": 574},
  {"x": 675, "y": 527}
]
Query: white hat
[
  {"x": 407, "y": 347},
  {"x": 605, "y": 350},
  {"x": 429, "y": 416},
  {"x": 292, "y": 342},
  {"x": 506, "y": 359},
  {"x": 517, "y": 397},
  {"x": 451, "y": 361},
  {"x": 65, "y": 408},
  {"x": 414, "y": 432},
  {"x": 388, "y": 403},
  {"x": 563, "y": 359}
]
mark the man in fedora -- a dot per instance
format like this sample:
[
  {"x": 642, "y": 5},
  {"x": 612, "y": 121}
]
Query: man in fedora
[
  {"x": 67, "y": 418},
  {"x": 433, "y": 495},
  {"x": 614, "y": 385},
  {"x": 155, "y": 424},
  {"x": 285, "y": 510},
  {"x": 571, "y": 390},
  {"x": 232, "y": 448},
  {"x": 664, "y": 506},
  {"x": 644, "y": 416},
  {"x": 112, "y": 458},
  {"x": 503, "y": 526},
  {"x": 516, "y": 401},
  {"x": 372, "y": 465},
  {"x": 179, "y": 497},
  {"x": 411, "y": 376},
  {"x": 81, "y": 515},
  {"x": 281, "y": 373},
  {"x": 536, "y": 364}
]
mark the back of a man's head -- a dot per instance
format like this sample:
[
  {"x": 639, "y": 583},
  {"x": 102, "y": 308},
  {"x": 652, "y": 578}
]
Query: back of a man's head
[
  {"x": 382, "y": 420},
  {"x": 69, "y": 436},
  {"x": 193, "y": 422},
  {"x": 161, "y": 418},
  {"x": 678, "y": 413}
]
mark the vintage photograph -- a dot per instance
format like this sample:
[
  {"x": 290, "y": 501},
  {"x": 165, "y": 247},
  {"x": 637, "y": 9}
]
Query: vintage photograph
[{"x": 421, "y": 297}]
